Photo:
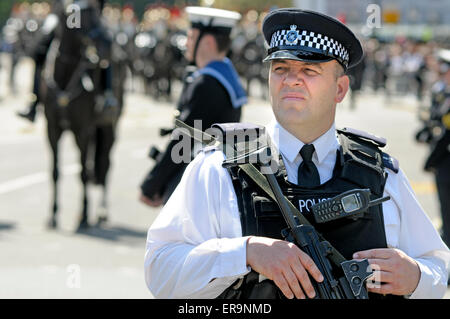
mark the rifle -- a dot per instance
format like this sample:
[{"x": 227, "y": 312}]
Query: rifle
[
  {"x": 343, "y": 279},
  {"x": 305, "y": 236}
]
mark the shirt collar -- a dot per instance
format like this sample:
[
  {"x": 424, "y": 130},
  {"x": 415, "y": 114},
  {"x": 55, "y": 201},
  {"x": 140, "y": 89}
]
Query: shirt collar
[{"x": 290, "y": 146}]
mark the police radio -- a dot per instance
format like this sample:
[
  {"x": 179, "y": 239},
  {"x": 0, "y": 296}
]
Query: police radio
[{"x": 348, "y": 204}]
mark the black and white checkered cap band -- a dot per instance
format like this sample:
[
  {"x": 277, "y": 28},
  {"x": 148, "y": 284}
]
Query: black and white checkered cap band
[{"x": 303, "y": 39}]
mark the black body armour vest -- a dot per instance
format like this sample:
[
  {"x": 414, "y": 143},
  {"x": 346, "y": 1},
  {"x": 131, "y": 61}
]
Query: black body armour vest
[{"x": 359, "y": 164}]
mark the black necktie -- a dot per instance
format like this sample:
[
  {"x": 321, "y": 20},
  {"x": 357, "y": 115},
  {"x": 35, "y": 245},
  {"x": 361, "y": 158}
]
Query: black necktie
[{"x": 308, "y": 176}]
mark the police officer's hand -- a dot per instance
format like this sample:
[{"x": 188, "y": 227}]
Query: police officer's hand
[
  {"x": 398, "y": 273},
  {"x": 156, "y": 201},
  {"x": 285, "y": 264}
]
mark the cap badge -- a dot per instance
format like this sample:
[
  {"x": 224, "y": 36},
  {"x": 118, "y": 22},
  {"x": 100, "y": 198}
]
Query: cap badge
[{"x": 292, "y": 35}]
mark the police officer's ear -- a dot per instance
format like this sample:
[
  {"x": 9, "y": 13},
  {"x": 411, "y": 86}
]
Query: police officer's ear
[{"x": 342, "y": 84}]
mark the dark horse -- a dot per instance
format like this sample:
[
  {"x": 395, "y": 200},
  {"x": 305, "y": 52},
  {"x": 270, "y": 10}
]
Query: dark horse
[{"x": 73, "y": 89}]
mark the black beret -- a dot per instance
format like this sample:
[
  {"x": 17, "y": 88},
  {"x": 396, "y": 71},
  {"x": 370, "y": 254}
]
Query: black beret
[{"x": 309, "y": 36}]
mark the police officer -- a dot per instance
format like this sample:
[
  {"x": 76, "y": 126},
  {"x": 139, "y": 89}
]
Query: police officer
[
  {"x": 438, "y": 161},
  {"x": 42, "y": 45},
  {"x": 212, "y": 94},
  {"x": 218, "y": 227},
  {"x": 39, "y": 53},
  {"x": 356, "y": 76}
]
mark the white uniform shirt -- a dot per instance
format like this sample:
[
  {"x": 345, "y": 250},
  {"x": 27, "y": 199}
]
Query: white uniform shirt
[{"x": 195, "y": 247}]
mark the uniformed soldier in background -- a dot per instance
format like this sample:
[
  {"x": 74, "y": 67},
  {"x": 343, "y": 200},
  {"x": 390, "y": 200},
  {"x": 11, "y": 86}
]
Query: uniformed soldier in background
[
  {"x": 219, "y": 234},
  {"x": 212, "y": 93},
  {"x": 437, "y": 133}
]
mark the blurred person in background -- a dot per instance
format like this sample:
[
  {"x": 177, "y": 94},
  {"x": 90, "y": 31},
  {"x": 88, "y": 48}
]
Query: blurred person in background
[
  {"x": 212, "y": 93},
  {"x": 437, "y": 134},
  {"x": 39, "y": 47}
]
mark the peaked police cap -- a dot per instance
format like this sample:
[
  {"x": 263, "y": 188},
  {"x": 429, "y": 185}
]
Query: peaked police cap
[{"x": 310, "y": 37}]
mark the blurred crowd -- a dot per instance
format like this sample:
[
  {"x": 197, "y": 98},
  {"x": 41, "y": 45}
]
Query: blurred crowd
[
  {"x": 153, "y": 49},
  {"x": 401, "y": 66}
]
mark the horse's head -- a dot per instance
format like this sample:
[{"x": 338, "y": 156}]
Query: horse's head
[{"x": 84, "y": 28}]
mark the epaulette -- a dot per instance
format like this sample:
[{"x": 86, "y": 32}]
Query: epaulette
[
  {"x": 239, "y": 129},
  {"x": 243, "y": 139},
  {"x": 351, "y": 132},
  {"x": 386, "y": 161},
  {"x": 390, "y": 162},
  {"x": 361, "y": 148}
]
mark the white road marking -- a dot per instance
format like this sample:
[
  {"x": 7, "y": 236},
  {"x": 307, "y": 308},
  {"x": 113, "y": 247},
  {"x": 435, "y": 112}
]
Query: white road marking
[{"x": 36, "y": 178}]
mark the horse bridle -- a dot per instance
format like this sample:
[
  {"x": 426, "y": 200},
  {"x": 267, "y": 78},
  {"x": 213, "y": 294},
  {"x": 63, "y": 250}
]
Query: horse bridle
[{"x": 88, "y": 58}]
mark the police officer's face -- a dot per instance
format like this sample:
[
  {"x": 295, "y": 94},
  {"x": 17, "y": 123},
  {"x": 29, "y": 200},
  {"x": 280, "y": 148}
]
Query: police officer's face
[{"x": 305, "y": 94}]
